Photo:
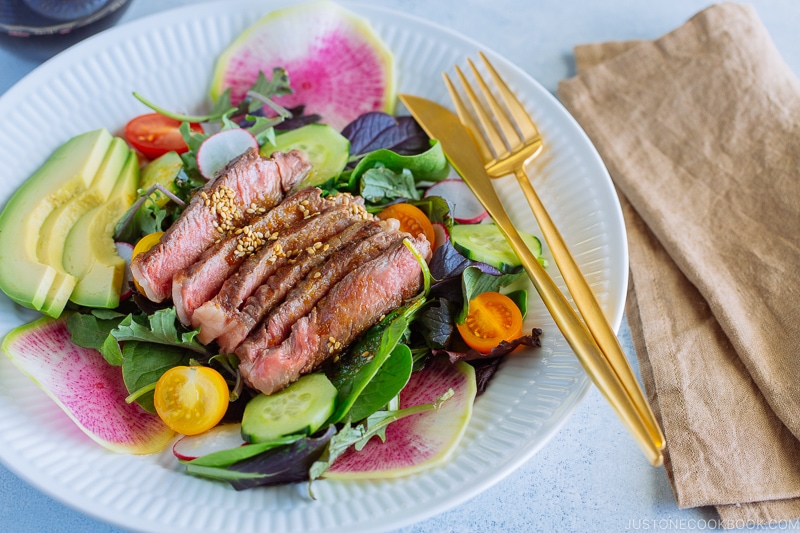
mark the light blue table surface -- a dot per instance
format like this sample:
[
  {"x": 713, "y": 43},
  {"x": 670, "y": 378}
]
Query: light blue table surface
[{"x": 591, "y": 476}]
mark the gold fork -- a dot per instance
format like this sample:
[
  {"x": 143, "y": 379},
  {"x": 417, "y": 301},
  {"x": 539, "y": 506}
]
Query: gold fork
[{"x": 507, "y": 145}]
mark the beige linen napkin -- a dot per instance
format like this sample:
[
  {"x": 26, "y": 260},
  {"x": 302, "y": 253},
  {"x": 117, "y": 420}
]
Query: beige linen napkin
[{"x": 700, "y": 130}]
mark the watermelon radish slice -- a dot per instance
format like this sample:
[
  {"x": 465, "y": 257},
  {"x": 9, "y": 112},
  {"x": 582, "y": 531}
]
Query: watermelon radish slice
[
  {"x": 419, "y": 441},
  {"x": 85, "y": 386},
  {"x": 338, "y": 67},
  {"x": 221, "y": 437},
  {"x": 222, "y": 148},
  {"x": 467, "y": 209}
]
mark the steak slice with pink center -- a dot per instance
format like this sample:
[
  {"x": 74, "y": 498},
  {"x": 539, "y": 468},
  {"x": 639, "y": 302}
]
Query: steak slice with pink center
[
  {"x": 286, "y": 278},
  {"x": 222, "y": 311},
  {"x": 299, "y": 302},
  {"x": 198, "y": 283},
  {"x": 357, "y": 302},
  {"x": 250, "y": 182}
]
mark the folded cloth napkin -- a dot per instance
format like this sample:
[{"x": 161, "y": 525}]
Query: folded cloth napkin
[{"x": 700, "y": 131}]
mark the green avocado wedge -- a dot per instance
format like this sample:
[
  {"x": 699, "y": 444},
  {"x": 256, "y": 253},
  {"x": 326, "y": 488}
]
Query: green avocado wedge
[
  {"x": 89, "y": 251},
  {"x": 69, "y": 170}
]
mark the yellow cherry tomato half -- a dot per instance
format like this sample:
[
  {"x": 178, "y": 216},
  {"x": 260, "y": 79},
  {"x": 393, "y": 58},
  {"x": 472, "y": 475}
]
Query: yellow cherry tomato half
[
  {"x": 144, "y": 244},
  {"x": 191, "y": 399},
  {"x": 492, "y": 318}
]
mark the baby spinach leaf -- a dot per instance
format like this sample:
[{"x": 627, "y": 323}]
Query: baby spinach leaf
[
  {"x": 92, "y": 331},
  {"x": 365, "y": 358},
  {"x": 387, "y": 383},
  {"x": 430, "y": 165},
  {"x": 143, "y": 363}
]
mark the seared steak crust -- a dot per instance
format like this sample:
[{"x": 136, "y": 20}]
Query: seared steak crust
[
  {"x": 220, "y": 206},
  {"x": 353, "y": 305}
]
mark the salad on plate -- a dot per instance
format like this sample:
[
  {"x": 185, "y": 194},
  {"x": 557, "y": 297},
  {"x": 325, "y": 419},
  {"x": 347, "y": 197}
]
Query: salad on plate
[{"x": 291, "y": 285}]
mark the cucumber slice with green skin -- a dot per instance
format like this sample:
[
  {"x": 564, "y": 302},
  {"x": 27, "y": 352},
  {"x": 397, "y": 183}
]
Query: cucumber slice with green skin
[
  {"x": 326, "y": 148},
  {"x": 302, "y": 407},
  {"x": 485, "y": 243}
]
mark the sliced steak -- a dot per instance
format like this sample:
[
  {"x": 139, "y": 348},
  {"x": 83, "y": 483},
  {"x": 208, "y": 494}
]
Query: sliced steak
[
  {"x": 273, "y": 291},
  {"x": 198, "y": 283},
  {"x": 246, "y": 186},
  {"x": 214, "y": 316},
  {"x": 304, "y": 297},
  {"x": 353, "y": 305}
]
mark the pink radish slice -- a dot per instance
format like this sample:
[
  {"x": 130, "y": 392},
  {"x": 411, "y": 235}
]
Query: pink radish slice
[
  {"x": 420, "y": 441},
  {"x": 89, "y": 390},
  {"x": 466, "y": 207},
  {"x": 338, "y": 66},
  {"x": 222, "y": 148},
  {"x": 222, "y": 437},
  {"x": 125, "y": 251},
  {"x": 441, "y": 233}
]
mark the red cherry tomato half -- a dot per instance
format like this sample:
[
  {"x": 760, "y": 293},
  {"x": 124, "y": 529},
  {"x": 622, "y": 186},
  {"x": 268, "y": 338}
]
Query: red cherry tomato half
[{"x": 155, "y": 135}]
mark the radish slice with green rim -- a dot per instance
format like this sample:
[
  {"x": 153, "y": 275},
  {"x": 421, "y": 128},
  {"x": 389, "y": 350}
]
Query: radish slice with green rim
[
  {"x": 222, "y": 148},
  {"x": 221, "y": 437},
  {"x": 338, "y": 66},
  {"x": 467, "y": 209},
  {"x": 89, "y": 390},
  {"x": 419, "y": 441},
  {"x": 125, "y": 251}
]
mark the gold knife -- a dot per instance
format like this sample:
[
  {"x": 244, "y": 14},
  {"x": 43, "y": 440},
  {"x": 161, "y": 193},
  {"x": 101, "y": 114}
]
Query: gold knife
[{"x": 443, "y": 125}]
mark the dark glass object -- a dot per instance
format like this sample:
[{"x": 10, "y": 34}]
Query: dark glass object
[{"x": 39, "y": 29}]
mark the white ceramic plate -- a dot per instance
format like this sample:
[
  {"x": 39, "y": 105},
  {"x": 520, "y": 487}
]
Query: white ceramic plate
[{"x": 169, "y": 57}]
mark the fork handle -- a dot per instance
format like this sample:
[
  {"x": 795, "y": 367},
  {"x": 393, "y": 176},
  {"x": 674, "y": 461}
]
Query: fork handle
[
  {"x": 589, "y": 308},
  {"x": 577, "y": 336}
]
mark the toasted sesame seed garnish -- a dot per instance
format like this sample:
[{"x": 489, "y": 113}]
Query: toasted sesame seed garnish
[{"x": 317, "y": 275}]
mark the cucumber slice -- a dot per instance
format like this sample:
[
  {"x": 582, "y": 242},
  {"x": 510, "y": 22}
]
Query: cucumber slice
[
  {"x": 326, "y": 148},
  {"x": 302, "y": 407},
  {"x": 162, "y": 171},
  {"x": 485, "y": 243}
]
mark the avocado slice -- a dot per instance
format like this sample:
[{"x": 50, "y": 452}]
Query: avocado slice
[
  {"x": 89, "y": 251},
  {"x": 162, "y": 171},
  {"x": 50, "y": 248},
  {"x": 69, "y": 170}
]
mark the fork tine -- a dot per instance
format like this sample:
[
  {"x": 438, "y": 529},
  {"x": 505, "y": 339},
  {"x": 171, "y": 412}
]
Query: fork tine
[
  {"x": 523, "y": 120},
  {"x": 493, "y": 137},
  {"x": 506, "y": 126},
  {"x": 467, "y": 120}
]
